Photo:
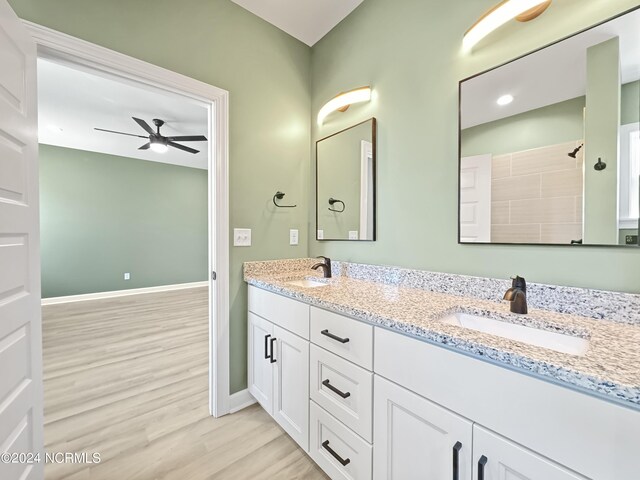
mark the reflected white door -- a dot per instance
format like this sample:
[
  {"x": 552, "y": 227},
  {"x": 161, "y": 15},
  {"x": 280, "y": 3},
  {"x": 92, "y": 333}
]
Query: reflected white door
[
  {"x": 475, "y": 199},
  {"x": 367, "y": 186},
  {"x": 21, "y": 417}
]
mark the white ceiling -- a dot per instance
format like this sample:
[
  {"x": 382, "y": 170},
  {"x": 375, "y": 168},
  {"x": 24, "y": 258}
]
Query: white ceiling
[
  {"x": 72, "y": 102},
  {"x": 549, "y": 76},
  {"x": 306, "y": 20}
]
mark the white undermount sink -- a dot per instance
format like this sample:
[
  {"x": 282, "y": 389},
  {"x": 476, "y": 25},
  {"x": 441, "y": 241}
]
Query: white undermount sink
[
  {"x": 533, "y": 336},
  {"x": 307, "y": 283}
]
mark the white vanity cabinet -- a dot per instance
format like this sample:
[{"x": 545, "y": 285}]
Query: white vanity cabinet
[
  {"x": 415, "y": 439},
  {"x": 278, "y": 361},
  {"x": 370, "y": 403}
]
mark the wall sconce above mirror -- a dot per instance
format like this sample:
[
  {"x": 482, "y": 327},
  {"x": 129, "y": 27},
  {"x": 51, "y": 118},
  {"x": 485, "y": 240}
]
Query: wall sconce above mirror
[
  {"x": 521, "y": 10},
  {"x": 550, "y": 143},
  {"x": 346, "y": 184},
  {"x": 343, "y": 101}
]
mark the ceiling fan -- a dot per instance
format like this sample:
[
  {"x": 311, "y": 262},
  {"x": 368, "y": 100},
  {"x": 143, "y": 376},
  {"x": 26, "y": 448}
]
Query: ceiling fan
[{"x": 157, "y": 142}]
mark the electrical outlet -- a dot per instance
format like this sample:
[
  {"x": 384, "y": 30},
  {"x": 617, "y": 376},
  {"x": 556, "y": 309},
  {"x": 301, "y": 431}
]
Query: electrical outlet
[
  {"x": 127, "y": 276},
  {"x": 320, "y": 235},
  {"x": 293, "y": 237},
  {"x": 241, "y": 237},
  {"x": 353, "y": 235}
]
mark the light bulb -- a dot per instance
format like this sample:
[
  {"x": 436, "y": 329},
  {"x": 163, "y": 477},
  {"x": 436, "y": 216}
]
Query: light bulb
[{"x": 159, "y": 147}]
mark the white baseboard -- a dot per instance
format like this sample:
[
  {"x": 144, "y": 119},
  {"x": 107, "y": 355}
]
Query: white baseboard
[
  {"x": 121, "y": 293},
  {"x": 240, "y": 400}
]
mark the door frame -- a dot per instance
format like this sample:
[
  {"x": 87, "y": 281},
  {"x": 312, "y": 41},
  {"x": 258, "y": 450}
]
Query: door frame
[{"x": 61, "y": 47}]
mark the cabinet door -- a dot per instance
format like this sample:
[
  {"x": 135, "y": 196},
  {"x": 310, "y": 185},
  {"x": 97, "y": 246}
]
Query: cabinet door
[
  {"x": 416, "y": 439},
  {"x": 260, "y": 367},
  {"x": 291, "y": 385},
  {"x": 496, "y": 458}
]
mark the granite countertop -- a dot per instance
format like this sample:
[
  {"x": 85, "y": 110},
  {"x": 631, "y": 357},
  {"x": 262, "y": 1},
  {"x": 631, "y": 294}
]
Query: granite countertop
[{"x": 609, "y": 368}]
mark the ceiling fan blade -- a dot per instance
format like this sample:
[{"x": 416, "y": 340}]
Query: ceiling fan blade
[
  {"x": 182, "y": 147},
  {"x": 120, "y": 133},
  {"x": 188, "y": 138},
  {"x": 145, "y": 146},
  {"x": 144, "y": 125}
]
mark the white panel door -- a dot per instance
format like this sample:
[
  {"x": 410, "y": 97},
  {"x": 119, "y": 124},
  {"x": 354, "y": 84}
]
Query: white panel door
[
  {"x": 496, "y": 458},
  {"x": 21, "y": 417},
  {"x": 415, "y": 439},
  {"x": 291, "y": 385},
  {"x": 261, "y": 344},
  {"x": 475, "y": 199}
]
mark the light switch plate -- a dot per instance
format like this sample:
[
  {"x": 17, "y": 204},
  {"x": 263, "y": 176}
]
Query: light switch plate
[
  {"x": 127, "y": 276},
  {"x": 241, "y": 237},
  {"x": 293, "y": 237},
  {"x": 320, "y": 235},
  {"x": 353, "y": 235}
]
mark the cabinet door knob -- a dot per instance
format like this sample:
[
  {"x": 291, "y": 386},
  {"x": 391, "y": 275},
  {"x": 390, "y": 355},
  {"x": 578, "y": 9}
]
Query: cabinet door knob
[
  {"x": 326, "y": 333},
  {"x": 456, "y": 460},
  {"x": 327, "y": 384},
  {"x": 481, "y": 463},
  {"x": 343, "y": 461},
  {"x": 272, "y": 341}
]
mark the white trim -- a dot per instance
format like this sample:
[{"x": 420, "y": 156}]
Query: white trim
[
  {"x": 121, "y": 293},
  {"x": 624, "y": 177},
  {"x": 366, "y": 190},
  {"x": 240, "y": 400},
  {"x": 64, "y": 48}
]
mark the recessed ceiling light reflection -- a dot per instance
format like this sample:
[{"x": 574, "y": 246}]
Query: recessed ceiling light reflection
[{"x": 505, "y": 100}]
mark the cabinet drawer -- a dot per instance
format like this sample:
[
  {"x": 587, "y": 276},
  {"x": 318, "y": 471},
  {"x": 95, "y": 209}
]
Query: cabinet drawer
[
  {"x": 343, "y": 336},
  {"x": 337, "y": 450},
  {"x": 342, "y": 389},
  {"x": 282, "y": 311}
]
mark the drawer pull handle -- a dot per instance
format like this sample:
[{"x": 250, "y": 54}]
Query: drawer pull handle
[
  {"x": 344, "y": 462},
  {"x": 481, "y": 463},
  {"x": 273, "y": 340},
  {"x": 266, "y": 347},
  {"x": 334, "y": 337},
  {"x": 456, "y": 460},
  {"x": 335, "y": 390}
]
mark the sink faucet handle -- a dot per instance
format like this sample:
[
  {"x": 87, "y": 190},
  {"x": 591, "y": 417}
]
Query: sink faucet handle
[{"x": 519, "y": 282}]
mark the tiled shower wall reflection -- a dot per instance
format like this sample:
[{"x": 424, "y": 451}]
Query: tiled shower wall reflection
[{"x": 536, "y": 195}]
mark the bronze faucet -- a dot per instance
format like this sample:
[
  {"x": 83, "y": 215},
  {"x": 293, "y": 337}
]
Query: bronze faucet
[
  {"x": 325, "y": 265},
  {"x": 517, "y": 295}
]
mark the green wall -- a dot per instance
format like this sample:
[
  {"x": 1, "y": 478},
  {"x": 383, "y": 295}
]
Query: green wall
[
  {"x": 602, "y": 134},
  {"x": 103, "y": 215},
  {"x": 267, "y": 74},
  {"x": 550, "y": 125},
  {"x": 630, "y": 104},
  {"x": 410, "y": 52}
]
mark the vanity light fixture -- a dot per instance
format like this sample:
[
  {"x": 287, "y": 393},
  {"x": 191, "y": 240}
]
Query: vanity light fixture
[
  {"x": 343, "y": 101},
  {"x": 504, "y": 100},
  {"x": 521, "y": 10}
]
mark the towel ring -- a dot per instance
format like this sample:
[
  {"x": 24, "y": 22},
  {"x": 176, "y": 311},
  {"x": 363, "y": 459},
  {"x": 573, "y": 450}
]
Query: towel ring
[
  {"x": 333, "y": 201},
  {"x": 279, "y": 196}
]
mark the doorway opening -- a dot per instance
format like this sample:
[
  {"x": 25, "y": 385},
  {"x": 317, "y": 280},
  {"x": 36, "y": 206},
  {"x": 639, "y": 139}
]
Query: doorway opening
[{"x": 88, "y": 58}]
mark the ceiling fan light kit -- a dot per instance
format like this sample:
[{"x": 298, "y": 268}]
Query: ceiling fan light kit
[{"x": 158, "y": 142}]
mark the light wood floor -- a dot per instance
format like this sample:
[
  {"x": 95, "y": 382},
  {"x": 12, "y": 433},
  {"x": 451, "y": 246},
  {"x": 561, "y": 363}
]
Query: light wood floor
[{"x": 127, "y": 378}]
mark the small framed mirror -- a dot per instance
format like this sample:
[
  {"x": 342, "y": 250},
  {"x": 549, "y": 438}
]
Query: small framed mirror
[
  {"x": 550, "y": 143},
  {"x": 346, "y": 184}
]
